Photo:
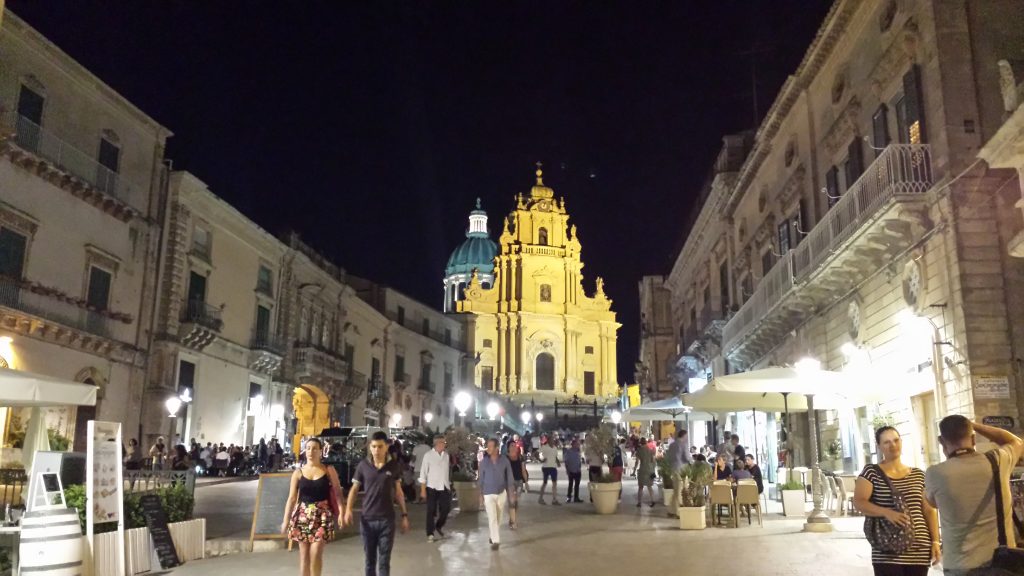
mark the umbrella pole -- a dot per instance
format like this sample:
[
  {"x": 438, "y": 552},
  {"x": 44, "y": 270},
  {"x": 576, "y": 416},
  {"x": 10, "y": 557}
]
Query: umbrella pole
[
  {"x": 817, "y": 520},
  {"x": 753, "y": 413},
  {"x": 785, "y": 430}
]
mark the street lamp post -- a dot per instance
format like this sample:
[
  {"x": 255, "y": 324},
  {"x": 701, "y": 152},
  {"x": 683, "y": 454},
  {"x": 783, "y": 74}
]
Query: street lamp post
[
  {"x": 817, "y": 520},
  {"x": 462, "y": 403},
  {"x": 540, "y": 420},
  {"x": 173, "y": 404}
]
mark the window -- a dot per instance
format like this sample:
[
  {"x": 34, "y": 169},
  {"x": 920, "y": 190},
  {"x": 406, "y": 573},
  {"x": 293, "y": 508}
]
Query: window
[
  {"x": 262, "y": 324},
  {"x": 488, "y": 343},
  {"x": 854, "y": 162},
  {"x": 798, "y": 220},
  {"x": 400, "y": 369},
  {"x": 723, "y": 284},
  {"x": 426, "y": 327},
  {"x": 265, "y": 281},
  {"x": 196, "y": 287},
  {"x": 98, "y": 292},
  {"x": 449, "y": 380},
  {"x": 425, "y": 368},
  {"x": 588, "y": 349},
  {"x": 901, "y": 120},
  {"x": 767, "y": 261},
  {"x": 542, "y": 236},
  {"x": 913, "y": 102},
  {"x": 109, "y": 162},
  {"x": 12, "y": 253},
  {"x": 201, "y": 242},
  {"x": 447, "y": 337},
  {"x": 880, "y": 129},
  {"x": 588, "y": 383},
  {"x": 832, "y": 186},
  {"x": 374, "y": 370},
  {"x": 186, "y": 377},
  {"x": 784, "y": 237},
  {"x": 545, "y": 292},
  {"x": 30, "y": 118},
  {"x": 401, "y": 315},
  {"x": 487, "y": 378}
]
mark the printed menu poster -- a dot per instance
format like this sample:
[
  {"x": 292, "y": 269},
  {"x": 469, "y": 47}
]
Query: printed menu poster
[{"x": 106, "y": 464}]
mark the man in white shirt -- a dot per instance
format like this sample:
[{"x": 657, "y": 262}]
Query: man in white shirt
[
  {"x": 436, "y": 487},
  {"x": 417, "y": 464},
  {"x": 551, "y": 458}
]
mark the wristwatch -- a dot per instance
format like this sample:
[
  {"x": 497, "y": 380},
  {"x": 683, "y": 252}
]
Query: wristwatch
[{"x": 405, "y": 514}]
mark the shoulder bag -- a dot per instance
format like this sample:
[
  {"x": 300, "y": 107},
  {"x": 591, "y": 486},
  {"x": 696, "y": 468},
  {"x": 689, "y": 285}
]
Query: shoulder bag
[
  {"x": 885, "y": 536},
  {"x": 1005, "y": 560}
]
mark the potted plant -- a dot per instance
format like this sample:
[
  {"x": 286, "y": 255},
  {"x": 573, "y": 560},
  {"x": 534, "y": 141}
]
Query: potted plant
[
  {"x": 668, "y": 477},
  {"x": 793, "y": 498},
  {"x": 834, "y": 454},
  {"x": 693, "y": 481},
  {"x": 463, "y": 446},
  {"x": 604, "y": 490}
]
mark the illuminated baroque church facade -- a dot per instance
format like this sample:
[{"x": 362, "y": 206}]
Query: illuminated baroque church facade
[{"x": 532, "y": 331}]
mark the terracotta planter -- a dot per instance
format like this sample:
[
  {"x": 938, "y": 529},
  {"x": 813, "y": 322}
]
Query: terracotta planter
[
  {"x": 469, "y": 496},
  {"x": 793, "y": 504},
  {"x": 606, "y": 496},
  {"x": 692, "y": 518}
]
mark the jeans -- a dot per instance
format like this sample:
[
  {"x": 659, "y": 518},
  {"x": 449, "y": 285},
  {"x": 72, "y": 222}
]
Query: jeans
[
  {"x": 573, "y": 493},
  {"x": 900, "y": 570},
  {"x": 495, "y": 506},
  {"x": 439, "y": 503},
  {"x": 378, "y": 538}
]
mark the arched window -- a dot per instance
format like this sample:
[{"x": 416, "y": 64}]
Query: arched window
[
  {"x": 545, "y": 372},
  {"x": 545, "y": 292},
  {"x": 542, "y": 236}
]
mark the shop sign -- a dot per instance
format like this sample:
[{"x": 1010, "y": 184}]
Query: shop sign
[
  {"x": 991, "y": 387},
  {"x": 1004, "y": 422}
]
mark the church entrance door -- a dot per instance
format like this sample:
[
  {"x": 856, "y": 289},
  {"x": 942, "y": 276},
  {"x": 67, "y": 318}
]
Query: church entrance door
[{"x": 545, "y": 372}]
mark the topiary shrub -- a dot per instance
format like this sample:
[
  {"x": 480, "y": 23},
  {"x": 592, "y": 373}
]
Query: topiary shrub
[{"x": 177, "y": 502}]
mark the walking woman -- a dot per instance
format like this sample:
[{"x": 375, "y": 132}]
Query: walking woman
[
  {"x": 874, "y": 497},
  {"x": 311, "y": 521},
  {"x": 645, "y": 472},
  {"x": 521, "y": 477}
]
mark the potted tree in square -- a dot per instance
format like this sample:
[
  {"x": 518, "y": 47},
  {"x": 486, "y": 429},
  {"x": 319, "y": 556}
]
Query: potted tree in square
[
  {"x": 793, "y": 498},
  {"x": 668, "y": 479},
  {"x": 693, "y": 482},
  {"x": 463, "y": 446},
  {"x": 604, "y": 490}
]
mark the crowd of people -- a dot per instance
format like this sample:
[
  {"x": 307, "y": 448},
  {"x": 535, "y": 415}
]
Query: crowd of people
[{"x": 210, "y": 460}]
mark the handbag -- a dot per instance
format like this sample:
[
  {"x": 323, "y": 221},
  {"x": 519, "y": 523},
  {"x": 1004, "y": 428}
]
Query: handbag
[
  {"x": 1005, "y": 560},
  {"x": 885, "y": 536}
]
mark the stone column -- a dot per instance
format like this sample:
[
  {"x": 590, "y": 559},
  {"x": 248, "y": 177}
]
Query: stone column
[{"x": 817, "y": 520}]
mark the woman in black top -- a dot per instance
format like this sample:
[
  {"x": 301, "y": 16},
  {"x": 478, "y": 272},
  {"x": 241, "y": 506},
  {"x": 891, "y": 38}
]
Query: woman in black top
[
  {"x": 520, "y": 476},
  {"x": 310, "y": 514},
  {"x": 873, "y": 497}
]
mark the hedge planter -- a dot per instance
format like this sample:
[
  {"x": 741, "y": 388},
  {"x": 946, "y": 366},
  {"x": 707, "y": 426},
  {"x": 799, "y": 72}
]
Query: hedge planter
[
  {"x": 606, "y": 496},
  {"x": 793, "y": 503},
  {"x": 469, "y": 496},
  {"x": 692, "y": 518}
]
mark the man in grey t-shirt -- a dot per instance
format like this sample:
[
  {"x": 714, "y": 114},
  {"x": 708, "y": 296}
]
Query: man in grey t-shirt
[{"x": 961, "y": 489}]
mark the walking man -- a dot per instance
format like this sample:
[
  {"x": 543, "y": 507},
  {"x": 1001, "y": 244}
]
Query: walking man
[
  {"x": 381, "y": 481},
  {"x": 417, "y": 465},
  {"x": 435, "y": 487},
  {"x": 551, "y": 459},
  {"x": 497, "y": 486},
  {"x": 679, "y": 455},
  {"x": 961, "y": 488}
]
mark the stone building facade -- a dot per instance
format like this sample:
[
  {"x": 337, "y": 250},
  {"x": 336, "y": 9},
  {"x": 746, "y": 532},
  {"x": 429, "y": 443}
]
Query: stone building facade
[
  {"x": 862, "y": 229},
  {"x": 658, "y": 345},
  {"x": 81, "y": 174}
]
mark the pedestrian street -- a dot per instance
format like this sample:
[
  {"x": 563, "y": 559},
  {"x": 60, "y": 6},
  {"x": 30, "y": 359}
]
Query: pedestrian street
[{"x": 572, "y": 539}]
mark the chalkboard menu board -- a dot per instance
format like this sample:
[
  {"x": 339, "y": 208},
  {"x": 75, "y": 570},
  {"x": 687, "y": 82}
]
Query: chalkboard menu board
[
  {"x": 156, "y": 521},
  {"x": 271, "y": 497}
]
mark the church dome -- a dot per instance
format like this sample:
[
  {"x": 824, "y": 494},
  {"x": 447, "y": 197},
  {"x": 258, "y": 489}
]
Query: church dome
[{"x": 477, "y": 251}]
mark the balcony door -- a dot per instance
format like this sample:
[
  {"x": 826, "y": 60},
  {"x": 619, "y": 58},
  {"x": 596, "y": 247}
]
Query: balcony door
[
  {"x": 196, "y": 288},
  {"x": 30, "y": 118},
  {"x": 12, "y": 265},
  {"x": 262, "y": 324}
]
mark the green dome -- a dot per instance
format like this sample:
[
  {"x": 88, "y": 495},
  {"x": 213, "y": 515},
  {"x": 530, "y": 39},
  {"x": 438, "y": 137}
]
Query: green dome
[{"x": 478, "y": 251}]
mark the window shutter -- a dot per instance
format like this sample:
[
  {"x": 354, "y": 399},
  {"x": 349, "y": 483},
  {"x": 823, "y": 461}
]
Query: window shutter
[
  {"x": 880, "y": 129},
  {"x": 784, "y": 237},
  {"x": 914, "y": 105},
  {"x": 854, "y": 162}
]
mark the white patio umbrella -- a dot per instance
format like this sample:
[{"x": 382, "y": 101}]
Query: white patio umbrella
[
  {"x": 664, "y": 410},
  {"x": 19, "y": 388}
]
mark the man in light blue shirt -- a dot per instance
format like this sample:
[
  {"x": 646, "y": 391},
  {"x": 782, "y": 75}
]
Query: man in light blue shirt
[
  {"x": 496, "y": 488},
  {"x": 679, "y": 455}
]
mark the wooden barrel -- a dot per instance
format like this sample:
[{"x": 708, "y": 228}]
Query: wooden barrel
[{"x": 51, "y": 543}]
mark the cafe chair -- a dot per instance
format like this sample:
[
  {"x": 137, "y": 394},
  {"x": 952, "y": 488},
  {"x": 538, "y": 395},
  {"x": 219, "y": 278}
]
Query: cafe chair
[
  {"x": 746, "y": 495},
  {"x": 721, "y": 495}
]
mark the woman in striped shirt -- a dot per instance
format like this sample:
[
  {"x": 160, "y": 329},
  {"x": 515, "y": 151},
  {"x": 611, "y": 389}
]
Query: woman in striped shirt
[{"x": 873, "y": 497}]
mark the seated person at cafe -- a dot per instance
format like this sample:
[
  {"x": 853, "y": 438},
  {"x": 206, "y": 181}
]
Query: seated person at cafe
[
  {"x": 755, "y": 471},
  {"x": 740, "y": 472},
  {"x": 722, "y": 469}
]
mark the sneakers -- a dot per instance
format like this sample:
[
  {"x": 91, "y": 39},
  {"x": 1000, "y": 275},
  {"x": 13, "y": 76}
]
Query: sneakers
[
  {"x": 541, "y": 500},
  {"x": 494, "y": 545},
  {"x": 555, "y": 502},
  {"x": 430, "y": 538},
  {"x": 578, "y": 501},
  {"x": 439, "y": 533}
]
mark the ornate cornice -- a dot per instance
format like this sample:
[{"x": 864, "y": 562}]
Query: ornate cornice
[{"x": 901, "y": 52}]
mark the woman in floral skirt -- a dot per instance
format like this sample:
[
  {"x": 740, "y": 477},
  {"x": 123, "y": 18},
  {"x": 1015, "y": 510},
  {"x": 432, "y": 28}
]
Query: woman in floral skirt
[{"x": 310, "y": 514}]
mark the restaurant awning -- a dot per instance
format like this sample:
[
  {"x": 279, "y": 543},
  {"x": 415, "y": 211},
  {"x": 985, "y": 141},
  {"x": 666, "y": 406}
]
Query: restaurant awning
[{"x": 19, "y": 388}]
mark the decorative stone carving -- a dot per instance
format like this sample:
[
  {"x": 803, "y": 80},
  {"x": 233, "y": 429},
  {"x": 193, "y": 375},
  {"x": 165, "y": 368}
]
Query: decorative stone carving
[
  {"x": 914, "y": 282},
  {"x": 844, "y": 128},
  {"x": 791, "y": 189},
  {"x": 854, "y": 316},
  {"x": 790, "y": 153},
  {"x": 901, "y": 52},
  {"x": 887, "y": 16},
  {"x": 839, "y": 84}
]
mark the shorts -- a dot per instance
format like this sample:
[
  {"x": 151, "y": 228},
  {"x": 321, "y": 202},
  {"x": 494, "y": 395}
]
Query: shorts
[
  {"x": 617, "y": 473},
  {"x": 550, "y": 474}
]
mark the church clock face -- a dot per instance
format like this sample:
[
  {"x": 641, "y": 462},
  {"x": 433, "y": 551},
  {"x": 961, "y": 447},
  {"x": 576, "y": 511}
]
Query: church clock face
[{"x": 544, "y": 206}]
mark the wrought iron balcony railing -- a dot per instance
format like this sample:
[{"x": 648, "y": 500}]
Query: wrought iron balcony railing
[
  {"x": 14, "y": 295},
  {"x": 199, "y": 312}
]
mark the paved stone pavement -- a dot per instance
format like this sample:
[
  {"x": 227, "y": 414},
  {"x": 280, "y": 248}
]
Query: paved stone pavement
[{"x": 570, "y": 539}]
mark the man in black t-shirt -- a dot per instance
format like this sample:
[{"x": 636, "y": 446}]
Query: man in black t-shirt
[
  {"x": 381, "y": 481},
  {"x": 738, "y": 452}
]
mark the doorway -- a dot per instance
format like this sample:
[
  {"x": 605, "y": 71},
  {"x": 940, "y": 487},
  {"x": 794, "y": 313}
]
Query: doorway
[{"x": 545, "y": 372}]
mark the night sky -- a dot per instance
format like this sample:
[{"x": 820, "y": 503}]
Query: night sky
[{"x": 371, "y": 127}]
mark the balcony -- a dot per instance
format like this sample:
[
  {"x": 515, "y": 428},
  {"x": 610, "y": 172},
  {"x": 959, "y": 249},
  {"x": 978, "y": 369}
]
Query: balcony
[
  {"x": 63, "y": 157},
  {"x": 880, "y": 216},
  {"x": 437, "y": 336},
  {"x": 35, "y": 309},
  {"x": 266, "y": 351},
  {"x": 354, "y": 388},
  {"x": 312, "y": 362},
  {"x": 402, "y": 381},
  {"x": 200, "y": 324},
  {"x": 377, "y": 394},
  {"x": 426, "y": 386}
]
